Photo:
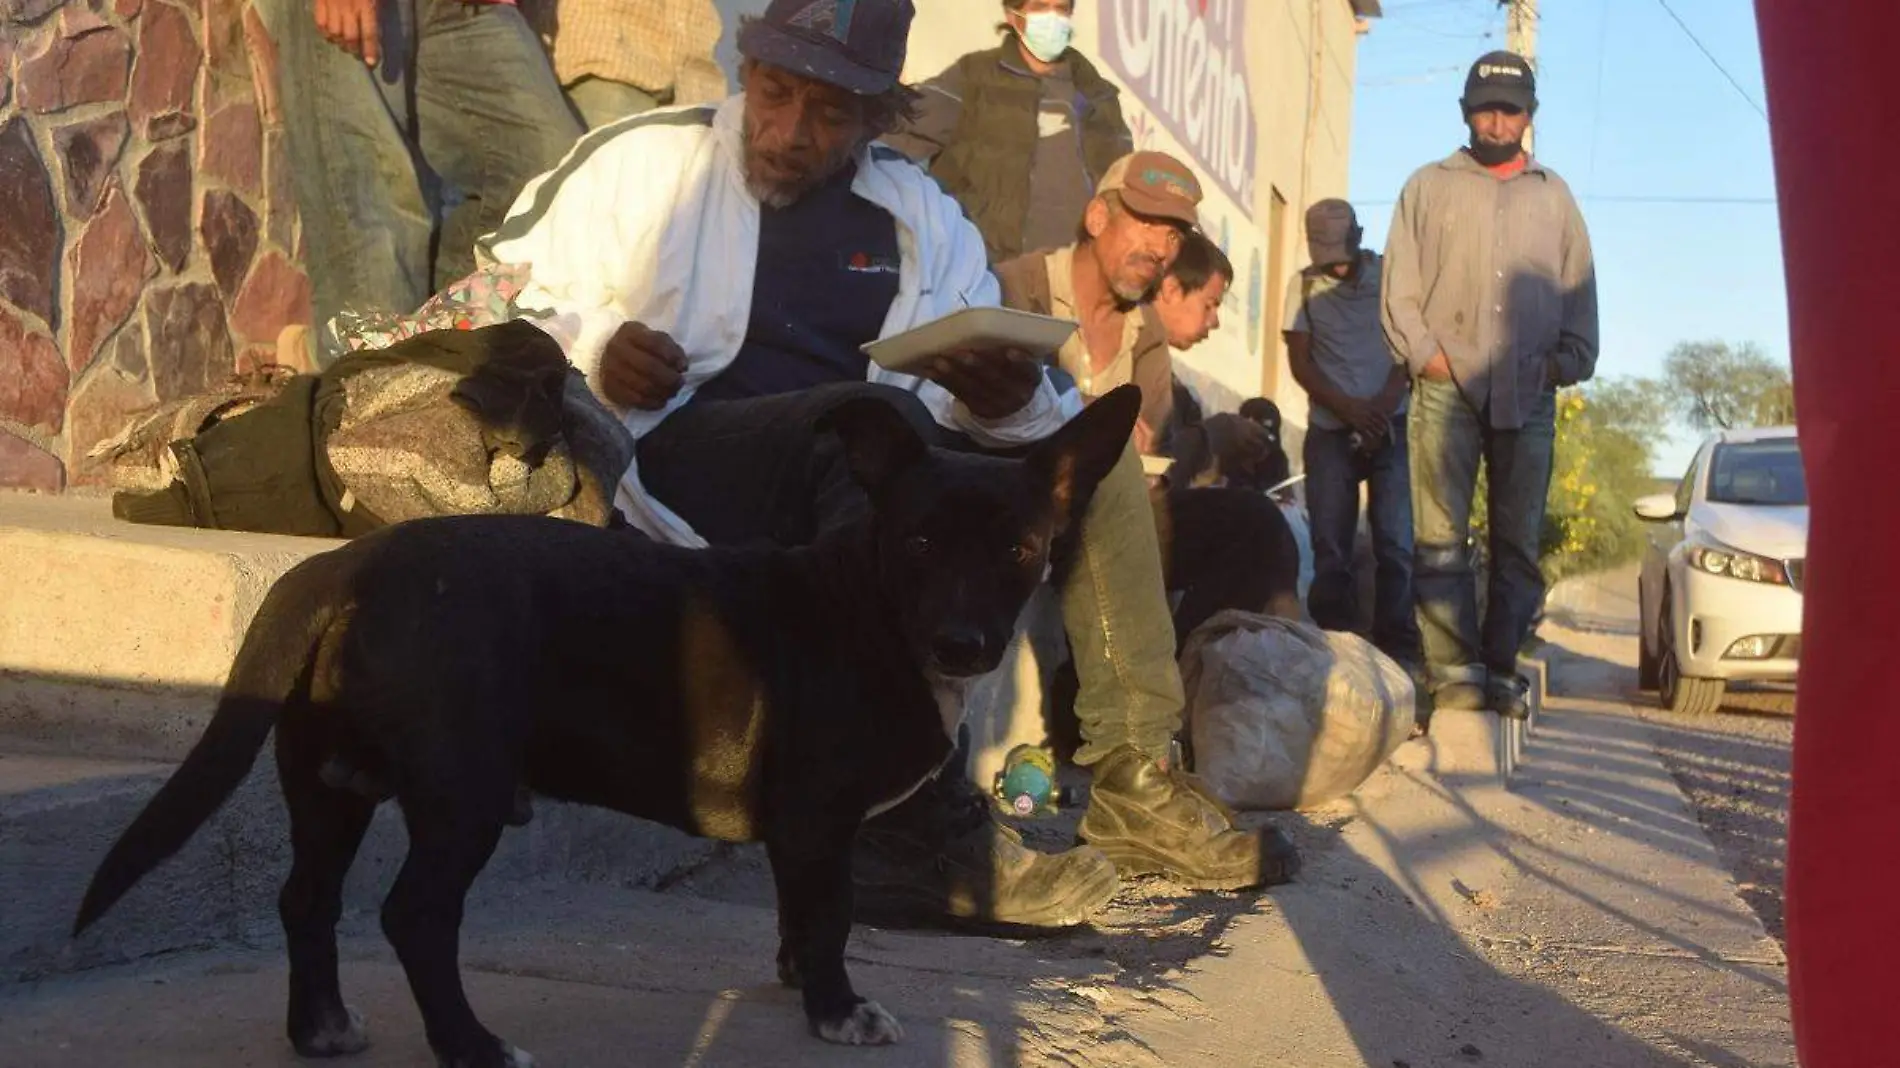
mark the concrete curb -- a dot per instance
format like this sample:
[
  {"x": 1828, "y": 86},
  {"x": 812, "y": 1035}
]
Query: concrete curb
[
  {"x": 115, "y": 640},
  {"x": 115, "y": 637},
  {"x": 1482, "y": 749}
]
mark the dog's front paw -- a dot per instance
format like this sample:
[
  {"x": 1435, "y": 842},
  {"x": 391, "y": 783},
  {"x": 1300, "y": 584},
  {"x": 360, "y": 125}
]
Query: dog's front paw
[
  {"x": 866, "y": 1025},
  {"x": 336, "y": 1038}
]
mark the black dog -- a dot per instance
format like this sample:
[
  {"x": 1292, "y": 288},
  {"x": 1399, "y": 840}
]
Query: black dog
[{"x": 742, "y": 694}]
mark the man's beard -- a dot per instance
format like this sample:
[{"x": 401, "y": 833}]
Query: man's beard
[
  {"x": 1130, "y": 290},
  {"x": 782, "y": 195},
  {"x": 1491, "y": 155},
  {"x": 785, "y": 193}
]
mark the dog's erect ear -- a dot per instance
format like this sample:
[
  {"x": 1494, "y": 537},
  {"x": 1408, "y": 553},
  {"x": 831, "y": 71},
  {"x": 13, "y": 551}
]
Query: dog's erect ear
[
  {"x": 878, "y": 443},
  {"x": 1081, "y": 454}
]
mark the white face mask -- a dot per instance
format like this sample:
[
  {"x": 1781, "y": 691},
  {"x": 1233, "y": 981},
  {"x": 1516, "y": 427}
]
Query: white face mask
[{"x": 1047, "y": 35}]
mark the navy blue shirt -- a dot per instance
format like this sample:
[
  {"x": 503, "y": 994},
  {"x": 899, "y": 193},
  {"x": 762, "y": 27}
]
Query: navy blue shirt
[{"x": 827, "y": 275}]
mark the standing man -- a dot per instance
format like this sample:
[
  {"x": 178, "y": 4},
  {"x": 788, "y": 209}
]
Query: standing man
[
  {"x": 1338, "y": 353},
  {"x": 410, "y": 125},
  {"x": 617, "y": 58},
  {"x": 1491, "y": 300},
  {"x": 1020, "y": 134}
]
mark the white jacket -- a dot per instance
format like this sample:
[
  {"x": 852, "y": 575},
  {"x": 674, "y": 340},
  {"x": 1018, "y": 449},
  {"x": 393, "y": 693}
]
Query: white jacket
[{"x": 649, "y": 220}]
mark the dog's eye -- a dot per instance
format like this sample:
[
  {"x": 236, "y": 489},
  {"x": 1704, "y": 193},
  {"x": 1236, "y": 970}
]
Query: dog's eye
[
  {"x": 917, "y": 545},
  {"x": 1023, "y": 553}
]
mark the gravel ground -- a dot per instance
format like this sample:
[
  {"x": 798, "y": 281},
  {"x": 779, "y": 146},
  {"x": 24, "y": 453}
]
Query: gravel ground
[{"x": 1734, "y": 766}]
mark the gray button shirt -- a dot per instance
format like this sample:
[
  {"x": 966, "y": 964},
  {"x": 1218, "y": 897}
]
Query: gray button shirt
[
  {"x": 1347, "y": 342},
  {"x": 1496, "y": 273}
]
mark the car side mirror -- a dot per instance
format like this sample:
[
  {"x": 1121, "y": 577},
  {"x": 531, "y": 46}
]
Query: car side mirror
[{"x": 1656, "y": 508}]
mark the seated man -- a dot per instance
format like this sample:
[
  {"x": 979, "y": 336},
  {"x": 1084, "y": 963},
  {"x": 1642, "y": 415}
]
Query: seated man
[
  {"x": 1143, "y": 211},
  {"x": 714, "y": 272}
]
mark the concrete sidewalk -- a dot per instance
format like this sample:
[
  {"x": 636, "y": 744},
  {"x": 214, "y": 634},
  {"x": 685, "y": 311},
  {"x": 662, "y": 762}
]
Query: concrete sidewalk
[{"x": 1579, "y": 918}]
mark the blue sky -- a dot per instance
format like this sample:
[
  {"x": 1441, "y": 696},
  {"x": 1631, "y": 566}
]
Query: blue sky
[{"x": 1629, "y": 107}]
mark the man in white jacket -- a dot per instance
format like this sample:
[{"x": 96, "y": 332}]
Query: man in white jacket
[{"x": 714, "y": 272}]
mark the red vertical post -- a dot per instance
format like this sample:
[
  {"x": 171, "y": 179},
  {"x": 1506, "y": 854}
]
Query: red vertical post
[{"x": 1834, "y": 102}]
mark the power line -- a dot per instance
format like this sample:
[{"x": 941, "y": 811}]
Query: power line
[
  {"x": 1424, "y": 77},
  {"x": 1596, "y": 109},
  {"x": 1613, "y": 198},
  {"x": 1743, "y": 93}
]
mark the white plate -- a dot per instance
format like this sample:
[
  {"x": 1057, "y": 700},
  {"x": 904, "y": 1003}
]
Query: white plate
[{"x": 979, "y": 328}]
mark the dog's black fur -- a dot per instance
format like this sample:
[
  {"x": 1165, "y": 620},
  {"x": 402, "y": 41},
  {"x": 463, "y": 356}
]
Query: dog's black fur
[{"x": 742, "y": 694}]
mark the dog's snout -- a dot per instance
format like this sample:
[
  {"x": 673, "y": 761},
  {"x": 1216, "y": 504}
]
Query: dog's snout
[{"x": 961, "y": 651}]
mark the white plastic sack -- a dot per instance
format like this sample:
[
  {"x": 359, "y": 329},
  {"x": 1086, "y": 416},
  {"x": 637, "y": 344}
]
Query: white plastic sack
[
  {"x": 1285, "y": 715},
  {"x": 1303, "y": 540}
]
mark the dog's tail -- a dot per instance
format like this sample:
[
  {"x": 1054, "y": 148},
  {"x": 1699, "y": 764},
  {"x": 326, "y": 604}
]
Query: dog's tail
[{"x": 272, "y": 664}]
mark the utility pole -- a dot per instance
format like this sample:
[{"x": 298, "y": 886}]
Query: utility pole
[{"x": 1521, "y": 37}]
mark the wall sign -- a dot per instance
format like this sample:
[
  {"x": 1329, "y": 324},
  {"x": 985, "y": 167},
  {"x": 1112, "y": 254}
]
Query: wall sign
[{"x": 1185, "y": 60}]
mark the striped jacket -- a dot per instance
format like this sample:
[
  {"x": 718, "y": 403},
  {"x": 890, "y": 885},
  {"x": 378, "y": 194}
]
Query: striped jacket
[{"x": 649, "y": 220}]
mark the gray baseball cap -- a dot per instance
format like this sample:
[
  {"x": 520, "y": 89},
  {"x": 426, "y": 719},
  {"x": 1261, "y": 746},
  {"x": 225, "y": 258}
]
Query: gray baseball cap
[
  {"x": 1332, "y": 232},
  {"x": 856, "y": 45}
]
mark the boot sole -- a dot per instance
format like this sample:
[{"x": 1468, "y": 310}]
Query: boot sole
[
  {"x": 1133, "y": 858},
  {"x": 1470, "y": 702},
  {"x": 898, "y": 908}
]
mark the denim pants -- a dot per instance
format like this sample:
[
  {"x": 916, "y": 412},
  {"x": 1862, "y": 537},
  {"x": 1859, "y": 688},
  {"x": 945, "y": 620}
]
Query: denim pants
[
  {"x": 1449, "y": 437},
  {"x": 1334, "y": 471},
  {"x": 461, "y": 111},
  {"x": 599, "y": 101},
  {"x": 754, "y": 470}
]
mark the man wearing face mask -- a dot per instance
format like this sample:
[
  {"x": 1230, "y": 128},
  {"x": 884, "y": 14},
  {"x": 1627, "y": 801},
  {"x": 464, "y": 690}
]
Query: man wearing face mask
[
  {"x": 1490, "y": 298},
  {"x": 1020, "y": 134}
]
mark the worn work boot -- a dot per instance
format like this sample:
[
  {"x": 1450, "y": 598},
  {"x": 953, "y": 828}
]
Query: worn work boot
[
  {"x": 1459, "y": 697},
  {"x": 1508, "y": 696},
  {"x": 1153, "y": 821},
  {"x": 941, "y": 859}
]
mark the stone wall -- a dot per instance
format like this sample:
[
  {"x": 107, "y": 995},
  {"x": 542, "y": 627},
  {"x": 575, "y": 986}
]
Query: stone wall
[{"x": 149, "y": 243}]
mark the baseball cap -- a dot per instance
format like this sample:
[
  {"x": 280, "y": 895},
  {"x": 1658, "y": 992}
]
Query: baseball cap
[
  {"x": 856, "y": 45},
  {"x": 1332, "y": 232},
  {"x": 1501, "y": 78},
  {"x": 1155, "y": 184},
  {"x": 1264, "y": 412}
]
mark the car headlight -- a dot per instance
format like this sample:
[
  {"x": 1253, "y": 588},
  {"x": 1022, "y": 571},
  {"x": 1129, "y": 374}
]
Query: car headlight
[{"x": 1734, "y": 563}]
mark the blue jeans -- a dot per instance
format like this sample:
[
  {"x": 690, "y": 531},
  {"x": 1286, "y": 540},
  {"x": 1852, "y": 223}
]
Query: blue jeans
[
  {"x": 460, "y": 113},
  {"x": 1449, "y": 438},
  {"x": 1334, "y": 470}
]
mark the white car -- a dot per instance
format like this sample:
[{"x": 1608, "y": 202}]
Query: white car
[{"x": 1720, "y": 591}]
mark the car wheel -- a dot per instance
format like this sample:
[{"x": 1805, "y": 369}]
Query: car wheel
[
  {"x": 1648, "y": 667},
  {"x": 1681, "y": 693}
]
